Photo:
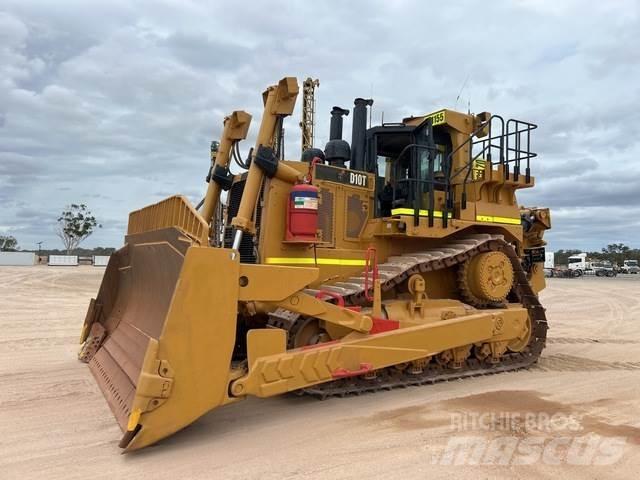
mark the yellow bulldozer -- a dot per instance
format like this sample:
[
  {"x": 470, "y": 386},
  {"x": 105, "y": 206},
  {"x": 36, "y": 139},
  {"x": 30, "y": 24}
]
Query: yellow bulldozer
[{"x": 412, "y": 265}]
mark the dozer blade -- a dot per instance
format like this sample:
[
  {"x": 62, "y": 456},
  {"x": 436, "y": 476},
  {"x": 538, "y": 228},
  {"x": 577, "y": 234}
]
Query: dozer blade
[{"x": 160, "y": 334}]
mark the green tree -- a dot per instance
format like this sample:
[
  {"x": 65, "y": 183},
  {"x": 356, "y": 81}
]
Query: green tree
[
  {"x": 75, "y": 224},
  {"x": 616, "y": 252},
  {"x": 8, "y": 243}
]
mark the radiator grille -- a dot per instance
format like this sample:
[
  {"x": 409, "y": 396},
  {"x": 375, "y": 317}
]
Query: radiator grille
[
  {"x": 325, "y": 215},
  {"x": 356, "y": 216}
]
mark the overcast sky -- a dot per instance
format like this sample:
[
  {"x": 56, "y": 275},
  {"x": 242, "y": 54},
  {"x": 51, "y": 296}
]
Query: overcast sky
[{"x": 114, "y": 103}]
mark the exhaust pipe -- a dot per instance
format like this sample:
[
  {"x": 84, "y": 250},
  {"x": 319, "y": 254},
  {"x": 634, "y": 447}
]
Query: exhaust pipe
[
  {"x": 358, "y": 133},
  {"x": 337, "y": 150},
  {"x": 335, "y": 128}
]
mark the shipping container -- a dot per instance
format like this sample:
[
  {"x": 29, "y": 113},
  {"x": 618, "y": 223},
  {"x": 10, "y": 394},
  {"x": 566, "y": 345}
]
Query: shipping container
[
  {"x": 100, "y": 260},
  {"x": 63, "y": 260},
  {"x": 549, "y": 260},
  {"x": 17, "y": 258}
]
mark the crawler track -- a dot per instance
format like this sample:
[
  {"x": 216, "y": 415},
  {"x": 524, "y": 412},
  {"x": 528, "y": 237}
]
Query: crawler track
[{"x": 395, "y": 271}]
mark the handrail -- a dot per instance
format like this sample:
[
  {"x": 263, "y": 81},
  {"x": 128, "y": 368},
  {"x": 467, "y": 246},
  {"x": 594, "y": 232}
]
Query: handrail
[
  {"x": 487, "y": 145},
  {"x": 528, "y": 154},
  {"x": 513, "y": 129},
  {"x": 471, "y": 136},
  {"x": 513, "y": 142}
]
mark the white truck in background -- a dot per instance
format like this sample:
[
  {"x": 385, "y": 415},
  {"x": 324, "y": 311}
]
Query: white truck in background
[
  {"x": 578, "y": 263},
  {"x": 603, "y": 269},
  {"x": 577, "y": 266},
  {"x": 630, "y": 266}
]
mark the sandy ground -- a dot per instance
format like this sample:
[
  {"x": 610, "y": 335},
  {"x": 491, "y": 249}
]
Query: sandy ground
[{"x": 54, "y": 422}]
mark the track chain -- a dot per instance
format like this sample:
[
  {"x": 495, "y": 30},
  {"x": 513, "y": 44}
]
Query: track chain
[{"x": 395, "y": 271}]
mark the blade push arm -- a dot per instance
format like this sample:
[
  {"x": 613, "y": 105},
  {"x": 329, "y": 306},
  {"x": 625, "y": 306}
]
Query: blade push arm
[
  {"x": 236, "y": 127},
  {"x": 279, "y": 101},
  {"x": 272, "y": 369}
]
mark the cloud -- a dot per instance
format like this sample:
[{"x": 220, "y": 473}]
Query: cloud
[{"x": 113, "y": 104}]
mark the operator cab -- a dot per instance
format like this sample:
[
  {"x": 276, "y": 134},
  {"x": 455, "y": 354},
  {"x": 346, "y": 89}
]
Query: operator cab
[{"x": 411, "y": 166}]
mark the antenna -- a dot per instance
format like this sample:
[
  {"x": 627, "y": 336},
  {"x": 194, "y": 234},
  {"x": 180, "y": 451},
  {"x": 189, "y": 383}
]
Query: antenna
[
  {"x": 371, "y": 107},
  {"x": 464, "y": 84}
]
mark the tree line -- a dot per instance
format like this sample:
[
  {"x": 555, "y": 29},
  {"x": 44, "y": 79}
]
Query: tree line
[{"x": 9, "y": 243}]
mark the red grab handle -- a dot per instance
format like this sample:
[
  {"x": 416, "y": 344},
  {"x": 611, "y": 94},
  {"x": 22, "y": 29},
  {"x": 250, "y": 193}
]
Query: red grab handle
[
  {"x": 327, "y": 293},
  {"x": 345, "y": 372},
  {"x": 370, "y": 264},
  {"x": 314, "y": 162}
]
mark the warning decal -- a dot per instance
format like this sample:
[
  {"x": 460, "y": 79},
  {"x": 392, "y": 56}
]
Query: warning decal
[{"x": 310, "y": 203}]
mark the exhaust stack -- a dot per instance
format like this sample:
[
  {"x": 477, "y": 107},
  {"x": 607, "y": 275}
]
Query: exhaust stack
[
  {"x": 337, "y": 150},
  {"x": 358, "y": 133},
  {"x": 335, "y": 128}
]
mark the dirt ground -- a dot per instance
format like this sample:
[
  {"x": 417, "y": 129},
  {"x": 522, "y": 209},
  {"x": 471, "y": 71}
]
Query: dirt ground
[{"x": 54, "y": 422}]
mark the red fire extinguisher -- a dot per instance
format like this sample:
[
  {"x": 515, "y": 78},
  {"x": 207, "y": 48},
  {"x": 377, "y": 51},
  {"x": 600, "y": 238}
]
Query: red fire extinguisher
[{"x": 302, "y": 211}]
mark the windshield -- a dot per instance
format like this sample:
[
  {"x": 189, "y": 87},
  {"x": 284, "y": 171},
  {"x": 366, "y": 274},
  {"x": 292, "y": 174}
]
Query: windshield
[
  {"x": 632, "y": 263},
  {"x": 575, "y": 260}
]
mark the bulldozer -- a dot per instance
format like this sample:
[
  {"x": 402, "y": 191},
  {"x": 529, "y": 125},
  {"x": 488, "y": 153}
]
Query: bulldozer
[{"x": 401, "y": 258}]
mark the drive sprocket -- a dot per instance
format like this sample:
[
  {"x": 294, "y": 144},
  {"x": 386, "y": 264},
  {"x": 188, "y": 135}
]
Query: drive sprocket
[{"x": 486, "y": 279}]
